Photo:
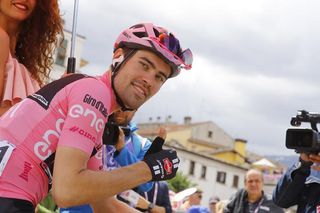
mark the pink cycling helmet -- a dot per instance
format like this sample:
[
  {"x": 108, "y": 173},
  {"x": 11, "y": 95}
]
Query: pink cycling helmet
[{"x": 158, "y": 40}]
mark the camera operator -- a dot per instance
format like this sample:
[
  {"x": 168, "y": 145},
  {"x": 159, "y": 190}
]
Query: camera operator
[{"x": 300, "y": 185}]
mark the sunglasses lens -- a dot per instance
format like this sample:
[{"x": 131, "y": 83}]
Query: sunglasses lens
[{"x": 187, "y": 57}]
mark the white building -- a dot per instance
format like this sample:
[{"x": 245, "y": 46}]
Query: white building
[
  {"x": 209, "y": 156},
  {"x": 62, "y": 54},
  {"x": 213, "y": 176}
]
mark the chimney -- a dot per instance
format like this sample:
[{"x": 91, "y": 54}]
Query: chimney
[
  {"x": 240, "y": 147},
  {"x": 187, "y": 120},
  {"x": 168, "y": 118}
]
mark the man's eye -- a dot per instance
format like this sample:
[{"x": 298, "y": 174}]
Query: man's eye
[
  {"x": 160, "y": 78},
  {"x": 144, "y": 66}
]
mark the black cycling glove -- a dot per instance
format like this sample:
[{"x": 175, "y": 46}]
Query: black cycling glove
[
  {"x": 163, "y": 164},
  {"x": 156, "y": 146}
]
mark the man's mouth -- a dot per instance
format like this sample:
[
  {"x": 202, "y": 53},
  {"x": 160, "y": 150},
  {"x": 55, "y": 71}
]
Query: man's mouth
[{"x": 142, "y": 91}]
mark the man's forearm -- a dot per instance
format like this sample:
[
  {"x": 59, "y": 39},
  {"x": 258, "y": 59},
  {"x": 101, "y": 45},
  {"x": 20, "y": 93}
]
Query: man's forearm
[{"x": 89, "y": 186}]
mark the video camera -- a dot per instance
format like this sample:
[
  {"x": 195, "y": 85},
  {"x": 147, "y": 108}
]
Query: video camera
[{"x": 304, "y": 140}]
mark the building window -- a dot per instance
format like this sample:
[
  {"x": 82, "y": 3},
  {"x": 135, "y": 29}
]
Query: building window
[
  {"x": 221, "y": 177},
  {"x": 235, "y": 181},
  {"x": 61, "y": 53},
  {"x": 210, "y": 133},
  {"x": 191, "y": 169},
  {"x": 203, "y": 172}
]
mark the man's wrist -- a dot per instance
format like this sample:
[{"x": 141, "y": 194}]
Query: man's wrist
[
  {"x": 150, "y": 207},
  {"x": 146, "y": 170}
]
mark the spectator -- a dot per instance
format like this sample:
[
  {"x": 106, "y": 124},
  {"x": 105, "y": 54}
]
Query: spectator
[
  {"x": 129, "y": 151},
  {"x": 252, "y": 199},
  {"x": 158, "y": 197},
  {"x": 220, "y": 205},
  {"x": 28, "y": 35},
  {"x": 300, "y": 185},
  {"x": 212, "y": 204},
  {"x": 192, "y": 200}
]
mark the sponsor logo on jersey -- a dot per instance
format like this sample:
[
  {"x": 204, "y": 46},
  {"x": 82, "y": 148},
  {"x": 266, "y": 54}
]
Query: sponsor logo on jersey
[
  {"x": 26, "y": 169},
  {"x": 77, "y": 111},
  {"x": 83, "y": 133},
  {"x": 42, "y": 148},
  {"x": 96, "y": 104}
]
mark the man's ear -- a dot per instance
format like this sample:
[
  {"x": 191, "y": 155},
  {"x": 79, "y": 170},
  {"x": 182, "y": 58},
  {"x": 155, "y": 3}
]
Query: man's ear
[
  {"x": 117, "y": 56},
  {"x": 117, "y": 53}
]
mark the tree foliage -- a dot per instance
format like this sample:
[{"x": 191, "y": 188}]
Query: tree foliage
[{"x": 180, "y": 182}]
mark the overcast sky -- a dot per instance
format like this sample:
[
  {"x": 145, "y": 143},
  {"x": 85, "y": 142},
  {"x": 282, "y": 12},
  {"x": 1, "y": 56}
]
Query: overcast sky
[{"x": 256, "y": 62}]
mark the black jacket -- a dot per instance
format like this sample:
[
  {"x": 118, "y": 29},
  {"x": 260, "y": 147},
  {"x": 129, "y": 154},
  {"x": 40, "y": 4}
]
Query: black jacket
[
  {"x": 298, "y": 187},
  {"x": 239, "y": 201}
]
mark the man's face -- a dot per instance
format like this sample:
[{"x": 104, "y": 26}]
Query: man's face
[
  {"x": 140, "y": 77},
  {"x": 212, "y": 207},
  {"x": 254, "y": 183},
  {"x": 195, "y": 198}
]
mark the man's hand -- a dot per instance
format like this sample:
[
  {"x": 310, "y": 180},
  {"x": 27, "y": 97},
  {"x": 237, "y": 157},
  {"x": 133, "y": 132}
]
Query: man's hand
[
  {"x": 306, "y": 161},
  {"x": 163, "y": 164},
  {"x": 158, "y": 142},
  {"x": 314, "y": 158}
]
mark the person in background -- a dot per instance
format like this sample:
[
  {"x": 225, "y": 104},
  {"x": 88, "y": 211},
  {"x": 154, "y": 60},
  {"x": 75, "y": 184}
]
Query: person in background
[
  {"x": 28, "y": 36},
  {"x": 252, "y": 199},
  {"x": 192, "y": 200},
  {"x": 158, "y": 197},
  {"x": 220, "y": 205},
  {"x": 212, "y": 203},
  {"x": 300, "y": 185},
  {"x": 128, "y": 152}
]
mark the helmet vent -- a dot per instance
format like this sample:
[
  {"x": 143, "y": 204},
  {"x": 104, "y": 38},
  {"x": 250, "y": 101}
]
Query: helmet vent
[
  {"x": 156, "y": 32},
  {"x": 140, "y": 34}
]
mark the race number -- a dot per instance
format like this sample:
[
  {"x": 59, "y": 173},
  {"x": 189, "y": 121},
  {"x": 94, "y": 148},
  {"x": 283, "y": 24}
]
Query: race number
[{"x": 6, "y": 149}]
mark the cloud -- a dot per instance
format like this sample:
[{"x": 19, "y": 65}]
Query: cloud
[{"x": 255, "y": 62}]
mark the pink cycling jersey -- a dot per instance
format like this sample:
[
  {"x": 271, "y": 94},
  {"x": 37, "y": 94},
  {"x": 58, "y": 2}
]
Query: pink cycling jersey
[{"x": 72, "y": 112}]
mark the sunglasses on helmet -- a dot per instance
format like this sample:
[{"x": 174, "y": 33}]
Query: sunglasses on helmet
[{"x": 171, "y": 45}]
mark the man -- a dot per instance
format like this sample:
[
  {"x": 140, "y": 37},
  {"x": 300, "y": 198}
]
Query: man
[
  {"x": 128, "y": 151},
  {"x": 62, "y": 124},
  {"x": 192, "y": 200},
  {"x": 212, "y": 203},
  {"x": 252, "y": 199},
  {"x": 300, "y": 185},
  {"x": 158, "y": 197}
]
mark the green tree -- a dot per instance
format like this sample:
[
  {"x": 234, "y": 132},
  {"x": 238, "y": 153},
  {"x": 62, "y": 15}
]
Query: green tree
[{"x": 180, "y": 182}]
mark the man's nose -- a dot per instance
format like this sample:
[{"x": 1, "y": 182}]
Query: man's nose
[{"x": 148, "y": 79}]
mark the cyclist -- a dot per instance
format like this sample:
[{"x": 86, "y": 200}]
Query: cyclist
[{"x": 62, "y": 125}]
